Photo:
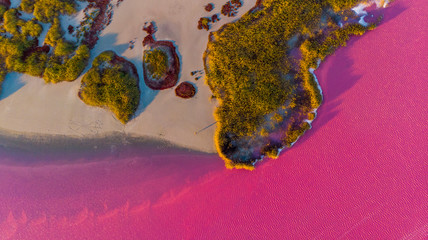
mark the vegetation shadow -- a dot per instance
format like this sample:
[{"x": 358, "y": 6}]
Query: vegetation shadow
[
  {"x": 147, "y": 94},
  {"x": 108, "y": 42},
  {"x": 11, "y": 84}
]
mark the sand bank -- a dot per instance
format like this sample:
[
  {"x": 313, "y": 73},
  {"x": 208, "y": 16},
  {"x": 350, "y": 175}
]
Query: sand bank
[{"x": 27, "y": 105}]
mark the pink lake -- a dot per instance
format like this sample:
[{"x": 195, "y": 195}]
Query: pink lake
[{"x": 359, "y": 173}]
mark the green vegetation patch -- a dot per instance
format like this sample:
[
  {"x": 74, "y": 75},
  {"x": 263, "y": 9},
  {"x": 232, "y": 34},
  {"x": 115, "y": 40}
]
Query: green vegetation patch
[
  {"x": 112, "y": 82},
  {"x": 56, "y": 59},
  {"x": 48, "y": 10},
  {"x": 258, "y": 69},
  {"x": 156, "y": 62}
]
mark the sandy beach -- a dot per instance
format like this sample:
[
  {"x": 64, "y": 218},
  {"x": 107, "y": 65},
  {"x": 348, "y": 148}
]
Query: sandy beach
[{"x": 28, "y": 105}]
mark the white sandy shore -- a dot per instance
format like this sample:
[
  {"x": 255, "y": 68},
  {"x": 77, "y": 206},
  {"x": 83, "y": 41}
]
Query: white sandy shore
[{"x": 27, "y": 105}]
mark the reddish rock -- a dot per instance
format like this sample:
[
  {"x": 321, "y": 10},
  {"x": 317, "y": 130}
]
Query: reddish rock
[
  {"x": 150, "y": 28},
  {"x": 215, "y": 18},
  {"x": 209, "y": 7},
  {"x": 70, "y": 29},
  {"x": 185, "y": 90}
]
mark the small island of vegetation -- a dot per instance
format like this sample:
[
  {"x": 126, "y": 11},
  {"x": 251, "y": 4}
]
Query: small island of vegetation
[
  {"x": 259, "y": 69},
  {"x": 161, "y": 64},
  {"x": 112, "y": 82}
]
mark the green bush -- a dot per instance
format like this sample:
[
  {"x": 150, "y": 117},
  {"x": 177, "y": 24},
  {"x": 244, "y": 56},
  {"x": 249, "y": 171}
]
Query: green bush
[
  {"x": 67, "y": 69},
  {"x": 48, "y": 10},
  {"x": 11, "y": 21},
  {"x": 339, "y": 5},
  {"x": 54, "y": 33},
  {"x": 63, "y": 48},
  {"x": 27, "y": 6},
  {"x": 75, "y": 67},
  {"x": 55, "y": 71},
  {"x": 19, "y": 49},
  {"x": 36, "y": 64},
  {"x": 103, "y": 58},
  {"x": 31, "y": 28},
  {"x": 112, "y": 84},
  {"x": 83, "y": 51},
  {"x": 157, "y": 62},
  {"x": 3, "y": 9}
]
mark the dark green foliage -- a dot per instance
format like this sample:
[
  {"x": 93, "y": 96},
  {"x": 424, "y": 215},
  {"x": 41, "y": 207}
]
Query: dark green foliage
[
  {"x": 12, "y": 50},
  {"x": 55, "y": 71},
  {"x": 339, "y": 5},
  {"x": 63, "y": 48},
  {"x": 67, "y": 69},
  {"x": 76, "y": 65},
  {"x": 20, "y": 51},
  {"x": 17, "y": 26},
  {"x": 83, "y": 51},
  {"x": 48, "y": 10},
  {"x": 54, "y": 33},
  {"x": 112, "y": 83},
  {"x": 294, "y": 133},
  {"x": 248, "y": 61},
  {"x": 2, "y": 11},
  {"x": 27, "y": 5},
  {"x": 320, "y": 46},
  {"x": 36, "y": 64},
  {"x": 157, "y": 63},
  {"x": 11, "y": 21},
  {"x": 31, "y": 28},
  {"x": 102, "y": 59}
]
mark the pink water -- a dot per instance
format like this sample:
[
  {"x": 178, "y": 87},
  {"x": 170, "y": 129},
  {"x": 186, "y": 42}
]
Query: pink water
[{"x": 360, "y": 173}]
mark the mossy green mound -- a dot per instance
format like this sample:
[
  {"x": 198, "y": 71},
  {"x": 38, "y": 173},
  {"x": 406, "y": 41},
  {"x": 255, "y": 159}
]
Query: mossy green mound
[
  {"x": 157, "y": 63},
  {"x": 112, "y": 82}
]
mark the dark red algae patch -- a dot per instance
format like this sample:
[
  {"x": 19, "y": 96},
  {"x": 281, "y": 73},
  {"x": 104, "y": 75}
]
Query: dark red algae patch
[
  {"x": 100, "y": 22},
  {"x": 5, "y": 3},
  {"x": 209, "y": 7},
  {"x": 185, "y": 90}
]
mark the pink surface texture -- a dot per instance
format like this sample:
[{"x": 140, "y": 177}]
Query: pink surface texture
[{"x": 359, "y": 173}]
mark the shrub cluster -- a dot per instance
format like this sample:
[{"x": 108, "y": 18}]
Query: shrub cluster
[
  {"x": 47, "y": 10},
  {"x": 157, "y": 63},
  {"x": 112, "y": 82},
  {"x": 58, "y": 60}
]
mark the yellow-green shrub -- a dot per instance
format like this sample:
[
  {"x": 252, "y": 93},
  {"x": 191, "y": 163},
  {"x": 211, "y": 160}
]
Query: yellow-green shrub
[{"x": 112, "y": 84}]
